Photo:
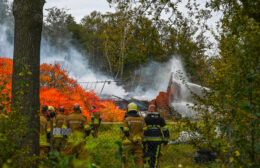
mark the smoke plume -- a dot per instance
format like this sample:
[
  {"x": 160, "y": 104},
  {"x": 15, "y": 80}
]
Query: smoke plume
[{"x": 153, "y": 78}]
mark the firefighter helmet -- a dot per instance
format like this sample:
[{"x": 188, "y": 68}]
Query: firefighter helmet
[
  {"x": 132, "y": 107},
  {"x": 61, "y": 109},
  {"x": 51, "y": 108},
  {"x": 151, "y": 108},
  {"x": 76, "y": 107}
]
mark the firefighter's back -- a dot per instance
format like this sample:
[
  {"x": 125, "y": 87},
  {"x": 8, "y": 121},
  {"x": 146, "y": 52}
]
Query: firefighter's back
[
  {"x": 59, "y": 120},
  {"x": 75, "y": 122},
  {"x": 135, "y": 125}
]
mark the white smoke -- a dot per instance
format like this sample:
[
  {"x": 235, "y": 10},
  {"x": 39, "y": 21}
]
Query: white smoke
[
  {"x": 71, "y": 60},
  {"x": 6, "y": 48},
  {"x": 155, "y": 77},
  {"x": 78, "y": 68}
]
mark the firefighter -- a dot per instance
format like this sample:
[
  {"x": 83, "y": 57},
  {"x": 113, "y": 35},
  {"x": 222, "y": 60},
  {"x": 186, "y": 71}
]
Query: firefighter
[
  {"x": 155, "y": 134},
  {"x": 76, "y": 140},
  {"x": 44, "y": 132},
  {"x": 58, "y": 140},
  {"x": 95, "y": 121},
  {"x": 133, "y": 126}
]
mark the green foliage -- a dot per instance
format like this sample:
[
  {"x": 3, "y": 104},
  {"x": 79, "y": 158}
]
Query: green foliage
[
  {"x": 229, "y": 111},
  {"x": 106, "y": 150},
  {"x": 56, "y": 28},
  {"x": 57, "y": 160},
  {"x": 11, "y": 126},
  {"x": 177, "y": 35}
]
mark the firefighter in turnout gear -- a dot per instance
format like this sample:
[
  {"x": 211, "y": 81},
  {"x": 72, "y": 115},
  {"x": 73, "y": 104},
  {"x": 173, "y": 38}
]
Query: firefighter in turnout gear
[
  {"x": 133, "y": 126},
  {"x": 79, "y": 126},
  {"x": 155, "y": 134},
  {"x": 58, "y": 139},
  {"x": 95, "y": 121},
  {"x": 44, "y": 133}
]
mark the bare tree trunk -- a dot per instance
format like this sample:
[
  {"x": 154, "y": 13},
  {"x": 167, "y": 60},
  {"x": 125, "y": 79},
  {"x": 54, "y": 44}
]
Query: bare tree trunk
[
  {"x": 28, "y": 17},
  {"x": 106, "y": 53},
  {"x": 123, "y": 49}
]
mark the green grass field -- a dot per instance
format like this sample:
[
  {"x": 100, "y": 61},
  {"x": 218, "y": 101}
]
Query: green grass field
[{"x": 104, "y": 150}]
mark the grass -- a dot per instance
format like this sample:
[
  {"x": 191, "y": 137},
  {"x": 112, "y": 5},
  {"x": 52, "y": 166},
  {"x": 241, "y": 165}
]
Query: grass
[{"x": 104, "y": 150}]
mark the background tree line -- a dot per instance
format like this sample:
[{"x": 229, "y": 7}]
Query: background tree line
[{"x": 119, "y": 44}]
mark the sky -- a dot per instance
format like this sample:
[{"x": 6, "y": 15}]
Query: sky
[{"x": 79, "y": 8}]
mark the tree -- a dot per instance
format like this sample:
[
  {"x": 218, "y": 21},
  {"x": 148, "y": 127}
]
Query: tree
[
  {"x": 235, "y": 83},
  {"x": 56, "y": 27},
  {"x": 28, "y": 17}
]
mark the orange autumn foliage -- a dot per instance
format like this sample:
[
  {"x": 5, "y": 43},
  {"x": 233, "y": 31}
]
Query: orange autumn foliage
[
  {"x": 57, "y": 89},
  {"x": 111, "y": 112},
  {"x": 5, "y": 82}
]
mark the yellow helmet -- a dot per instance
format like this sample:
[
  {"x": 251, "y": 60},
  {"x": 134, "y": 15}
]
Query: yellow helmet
[
  {"x": 132, "y": 107},
  {"x": 51, "y": 108}
]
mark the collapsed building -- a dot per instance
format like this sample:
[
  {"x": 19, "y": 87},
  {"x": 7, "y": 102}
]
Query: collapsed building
[
  {"x": 173, "y": 103},
  {"x": 163, "y": 101}
]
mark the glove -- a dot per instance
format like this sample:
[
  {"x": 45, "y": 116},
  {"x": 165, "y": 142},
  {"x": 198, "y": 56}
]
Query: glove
[
  {"x": 165, "y": 143},
  {"x": 126, "y": 133},
  {"x": 87, "y": 132},
  {"x": 92, "y": 127},
  {"x": 138, "y": 142}
]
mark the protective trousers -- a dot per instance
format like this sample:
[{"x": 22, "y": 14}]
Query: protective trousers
[
  {"x": 44, "y": 151},
  {"x": 95, "y": 131},
  {"x": 151, "y": 153},
  {"x": 76, "y": 148},
  {"x": 58, "y": 144},
  {"x": 133, "y": 151}
]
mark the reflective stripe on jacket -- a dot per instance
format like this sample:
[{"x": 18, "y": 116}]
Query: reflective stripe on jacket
[{"x": 156, "y": 129}]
